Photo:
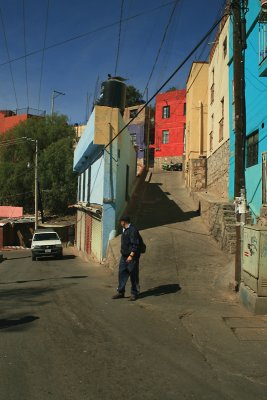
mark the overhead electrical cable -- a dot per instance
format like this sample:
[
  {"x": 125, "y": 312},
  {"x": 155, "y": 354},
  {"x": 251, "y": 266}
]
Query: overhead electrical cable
[
  {"x": 9, "y": 60},
  {"x": 25, "y": 52},
  {"x": 82, "y": 35},
  {"x": 161, "y": 87},
  {"x": 43, "y": 53},
  {"x": 119, "y": 38},
  {"x": 161, "y": 44}
]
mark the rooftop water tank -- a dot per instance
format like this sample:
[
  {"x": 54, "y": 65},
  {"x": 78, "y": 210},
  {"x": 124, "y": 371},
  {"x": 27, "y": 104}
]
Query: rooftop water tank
[
  {"x": 113, "y": 93},
  {"x": 264, "y": 5}
]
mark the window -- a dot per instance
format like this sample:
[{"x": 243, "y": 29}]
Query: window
[
  {"x": 225, "y": 47},
  {"x": 252, "y": 149},
  {"x": 233, "y": 105},
  {"x": 211, "y": 141},
  {"x": 184, "y": 108},
  {"x": 133, "y": 139},
  {"x": 212, "y": 88},
  {"x": 221, "y": 123},
  {"x": 262, "y": 39},
  {"x": 211, "y": 132},
  {"x": 184, "y": 141},
  {"x": 127, "y": 183},
  {"x": 79, "y": 187},
  {"x": 165, "y": 137},
  {"x": 133, "y": 112},
  {"x": 84, "y": 186},
  {"x": 166, "y": 112}
]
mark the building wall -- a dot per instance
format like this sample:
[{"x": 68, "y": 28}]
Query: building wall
[
  {"x": 102, "y": 180},
  {"x": 139, "y": 127},
  {"x": 217, "y": 141},
  {"x": 196, "y": 116},
  {"x": 122, "y": 154},
  {"x": 256, "y": 100},
  {"x": 175, "y": 124},
  {"x": 9, "y": 122}
]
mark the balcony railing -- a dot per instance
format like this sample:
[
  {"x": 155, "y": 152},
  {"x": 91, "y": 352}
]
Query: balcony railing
[{"x": 221, "y": 123}]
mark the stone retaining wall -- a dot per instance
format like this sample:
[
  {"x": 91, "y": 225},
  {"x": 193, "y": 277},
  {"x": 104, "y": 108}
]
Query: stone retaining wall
[
  {"x": 198, "y": 174},
  {"x": 218, "y": 171}
]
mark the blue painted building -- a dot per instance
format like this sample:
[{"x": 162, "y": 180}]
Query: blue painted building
[
  {"x": 256, "y": 109},
  {"x": 138, "y": 130},
  {"x": 106, "y": 177}
]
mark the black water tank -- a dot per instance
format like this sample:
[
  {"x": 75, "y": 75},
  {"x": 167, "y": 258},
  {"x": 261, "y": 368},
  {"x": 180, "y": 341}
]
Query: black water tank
[{"x": 113, "y": 94}]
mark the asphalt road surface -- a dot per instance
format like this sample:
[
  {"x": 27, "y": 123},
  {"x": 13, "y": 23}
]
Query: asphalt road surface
[{"x": 62, "y": 337}]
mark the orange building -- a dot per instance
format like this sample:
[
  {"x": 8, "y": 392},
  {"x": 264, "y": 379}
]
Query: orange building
[{"x": 9, "y": 119}]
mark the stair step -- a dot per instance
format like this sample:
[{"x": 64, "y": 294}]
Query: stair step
[
  {"x": 230, "y": 227},
  {"x": 228, "y": 207}
]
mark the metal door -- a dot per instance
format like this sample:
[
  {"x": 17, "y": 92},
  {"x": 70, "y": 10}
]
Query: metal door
[
  {"x": 88, "y": 233},
  {"x": 96, "y": 245}
]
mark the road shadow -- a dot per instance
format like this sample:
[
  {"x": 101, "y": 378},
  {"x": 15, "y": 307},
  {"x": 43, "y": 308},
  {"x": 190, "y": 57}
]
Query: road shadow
[
  {"x": 151, "y": 207},
  {"x": 161, "y": 290},
  {"x": 64, "y": 257},
  {"x": 10, "y": 323},
  {"x": 16, "y": 258},
  {"x": 45, "y": 279}
]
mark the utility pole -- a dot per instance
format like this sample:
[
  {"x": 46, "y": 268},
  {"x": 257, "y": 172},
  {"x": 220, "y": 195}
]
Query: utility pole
[
  {"x": 55, "y": 94},
  {"x": 239, "y": 45},
  {"x": 36, "y": 185}
]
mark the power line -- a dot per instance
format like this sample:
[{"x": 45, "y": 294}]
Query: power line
[
  {"x": 161, "y": 87},
  {"x": 25, "y": 51},
  {"x": 43, "y": 52},
  {"x": 161, "y": 44},
  {"x": 119, "y": 38},
  {"x": 111, "y": 25},
  {"x": 8, "y": 56}
]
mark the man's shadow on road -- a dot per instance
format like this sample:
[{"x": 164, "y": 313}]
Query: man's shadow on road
[{"x": 161, "y": 290}]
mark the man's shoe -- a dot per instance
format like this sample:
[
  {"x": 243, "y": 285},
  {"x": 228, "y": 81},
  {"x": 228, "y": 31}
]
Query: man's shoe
[
  {"x": 133, "y": 297},
  {"x": 118, "y": 296}
]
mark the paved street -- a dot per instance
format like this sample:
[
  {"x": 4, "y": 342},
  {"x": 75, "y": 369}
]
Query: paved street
[{"x": 63, "y": 338}]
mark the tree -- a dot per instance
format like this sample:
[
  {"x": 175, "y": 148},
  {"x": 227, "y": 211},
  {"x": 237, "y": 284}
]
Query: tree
[
  {"x": 57, "y": 181},
  {"x": 172, "y": 88},
  {"x": 133, "y": 96}
]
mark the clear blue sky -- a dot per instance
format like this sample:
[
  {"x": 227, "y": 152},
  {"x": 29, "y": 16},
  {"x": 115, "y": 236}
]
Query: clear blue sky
[{"x": 73, "y": 67}]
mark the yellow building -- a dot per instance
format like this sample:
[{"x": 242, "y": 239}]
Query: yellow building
[
  {"x": 196, "y": 126},
  {"x": 218, "y": 151}
]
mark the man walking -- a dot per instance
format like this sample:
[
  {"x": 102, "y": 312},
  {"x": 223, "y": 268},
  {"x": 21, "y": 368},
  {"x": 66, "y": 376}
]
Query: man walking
[{"x": 129, "y": 261}]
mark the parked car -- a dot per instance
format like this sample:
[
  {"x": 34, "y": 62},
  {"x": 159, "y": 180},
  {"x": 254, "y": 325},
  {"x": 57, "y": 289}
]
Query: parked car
[
  {"x": 172, "y": 167},
  {"x": 46, "y": 242}
]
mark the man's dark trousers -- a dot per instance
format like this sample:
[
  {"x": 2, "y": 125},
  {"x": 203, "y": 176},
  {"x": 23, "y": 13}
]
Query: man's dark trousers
[{"x": 126, "y": 270}]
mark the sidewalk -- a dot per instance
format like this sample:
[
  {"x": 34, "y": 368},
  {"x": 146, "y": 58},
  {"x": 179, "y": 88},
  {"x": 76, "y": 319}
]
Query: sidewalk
[{"x": 183, "y": 261}]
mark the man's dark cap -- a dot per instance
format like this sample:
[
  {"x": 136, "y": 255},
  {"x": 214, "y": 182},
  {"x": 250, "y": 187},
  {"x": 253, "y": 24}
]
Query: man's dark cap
[{"x": 125, "y": 218}]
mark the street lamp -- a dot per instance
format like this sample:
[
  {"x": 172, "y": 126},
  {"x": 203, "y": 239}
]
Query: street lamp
[
  {"x": 35, "y": 180},
  {"x": 55, "y": 94}
]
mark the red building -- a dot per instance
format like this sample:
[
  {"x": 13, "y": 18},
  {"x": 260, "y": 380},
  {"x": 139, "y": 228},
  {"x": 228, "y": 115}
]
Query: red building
[
  {"x": 170, "y": 119},
  {"x": 9, "y": 119}
]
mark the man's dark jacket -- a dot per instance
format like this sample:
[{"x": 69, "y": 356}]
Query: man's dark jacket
[{"x": 130, "y": 242}]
